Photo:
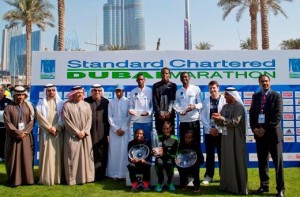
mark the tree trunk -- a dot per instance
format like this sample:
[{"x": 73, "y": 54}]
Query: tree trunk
[
  {"x": 61, "y": 25},
  {"x": 253, "y": 15},
  {"x": 264, "y": 24},
  {"x": 28, "y": 53}
]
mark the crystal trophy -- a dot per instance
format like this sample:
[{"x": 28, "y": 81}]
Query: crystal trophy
[
  {"x": 156, "y": 144},
  {"x": 164, "y": 105}
]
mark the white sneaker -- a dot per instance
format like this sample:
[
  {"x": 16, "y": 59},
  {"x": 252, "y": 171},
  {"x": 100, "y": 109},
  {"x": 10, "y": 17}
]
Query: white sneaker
[{"x": 207, "y": 180}]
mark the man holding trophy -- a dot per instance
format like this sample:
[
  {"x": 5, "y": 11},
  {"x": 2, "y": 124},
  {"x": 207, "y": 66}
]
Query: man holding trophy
[
  {"x": 141, "y": 107},
  {"x": 187, "y": 105},
  {"x": 163, "y": 99}
]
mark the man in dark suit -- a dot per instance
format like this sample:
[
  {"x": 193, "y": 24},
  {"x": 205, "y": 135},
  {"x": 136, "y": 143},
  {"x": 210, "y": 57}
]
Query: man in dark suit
[{"x": 265, "y": 121}]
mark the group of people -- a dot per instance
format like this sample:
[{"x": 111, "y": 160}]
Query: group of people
[{"x": 87, "y": 139}]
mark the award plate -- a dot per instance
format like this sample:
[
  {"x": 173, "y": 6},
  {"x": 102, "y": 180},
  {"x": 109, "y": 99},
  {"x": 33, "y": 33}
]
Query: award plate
[
  {"x": 1, "y": 116},
  {"x": 186, "y": 158},
  {"x": 138, "y": 152}
]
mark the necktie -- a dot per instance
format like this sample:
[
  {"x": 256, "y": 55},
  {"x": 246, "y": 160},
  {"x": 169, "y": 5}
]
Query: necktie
[{"x": 263, "y": 101}]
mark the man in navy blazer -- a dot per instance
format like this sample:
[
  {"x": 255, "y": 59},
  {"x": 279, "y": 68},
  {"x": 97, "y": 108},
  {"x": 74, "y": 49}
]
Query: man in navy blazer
[{"x": 265, "y": 121}]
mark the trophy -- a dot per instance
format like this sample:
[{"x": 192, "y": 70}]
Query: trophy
[
  {"x": 212, "y": 123},
  {"x": 156, "y": 145},
  {"x": 138, "y": 152},
  {"x": 186, "y": 158},
  {"x": 164, "y": 105}
]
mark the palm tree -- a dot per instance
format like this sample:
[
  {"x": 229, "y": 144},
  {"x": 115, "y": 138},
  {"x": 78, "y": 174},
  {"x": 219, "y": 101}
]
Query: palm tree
[
  {"x": 290, "y": 44},
  {"x": 274, "y": 6},
  {"x": 28, "y": 13},
  {"x": 115, "y": 47},
  {"x": 203, "y": 46},
  {"x": 253, "y": 5},
  {"x": 264, "y": 24},
  {"x": 246, "y": 44},
  {"x": 61, "y": 25}
]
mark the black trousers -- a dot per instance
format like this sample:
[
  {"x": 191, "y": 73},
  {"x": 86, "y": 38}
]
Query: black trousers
[
  {"x": 100, "y": 151},
  {"x": 192, "y": 171},
  {"x": 2, "y": 142},
  {"x": 263, "y": 150},
  {"x": 212, "y": 143},
  {"x": 194, "y": 126},
  {"x": 139, "y": 168},
  {"x": 168, "y": 165}
]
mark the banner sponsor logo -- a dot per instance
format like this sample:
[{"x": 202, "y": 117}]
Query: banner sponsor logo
[
  {"x": 288, "y": 101},
  {"x": 297, "y": 94},
  {"x": 288, "y": 116},
  {"x": 288, "y": 109},
  {"x": 288, "y": 131},
  {"x": 289, "y": 138},
  {"x": 247, "y": 101},
  {"x": 47, "y": 69},
  {"x": 287, "y": 94},
  {"x": 291, "y": 156},
  {"x": 294, "y": 68},
  {"x": 298, "y": 131},
  {"x": 248, "y": 94}
]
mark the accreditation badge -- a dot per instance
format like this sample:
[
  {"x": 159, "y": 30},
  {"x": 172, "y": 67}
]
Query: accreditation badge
[
  {"x": 21, "y": 126},
  {"x": 261, "y": 118}
]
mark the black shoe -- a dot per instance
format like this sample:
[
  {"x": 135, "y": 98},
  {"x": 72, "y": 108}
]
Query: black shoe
[
  {"x": 261, "y": 190},
  {"x": 280, "y": 194}
]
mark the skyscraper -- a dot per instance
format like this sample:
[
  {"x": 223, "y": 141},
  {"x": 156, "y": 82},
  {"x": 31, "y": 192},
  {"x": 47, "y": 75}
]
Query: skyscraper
[
  {"x": 8, "y": 33},
  {"x": 124, "y": 24},
  {"x": 71, "y": 42},
  {"x": 17, "y": 52}
]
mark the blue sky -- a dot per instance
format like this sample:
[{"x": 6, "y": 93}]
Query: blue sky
[{"x": 164, "y": 19}]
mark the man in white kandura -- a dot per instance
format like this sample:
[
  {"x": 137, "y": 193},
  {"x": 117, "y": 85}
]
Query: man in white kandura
[
  {"x": 48, "y": 111},
  {"x": 119, "y": 135}
]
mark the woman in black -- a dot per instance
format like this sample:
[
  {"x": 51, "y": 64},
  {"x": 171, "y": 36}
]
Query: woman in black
[
  {"x": 139, "y": 166},
  {"x": 193, "y": 171}
]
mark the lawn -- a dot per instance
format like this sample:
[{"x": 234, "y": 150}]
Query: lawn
[{"x": 112, "y": 188}]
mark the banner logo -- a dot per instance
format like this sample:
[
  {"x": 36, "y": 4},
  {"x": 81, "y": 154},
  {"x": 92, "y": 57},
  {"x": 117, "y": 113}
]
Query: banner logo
[
  {"x": 47, "y": 69},
  {"x": 294, "y": 68}
]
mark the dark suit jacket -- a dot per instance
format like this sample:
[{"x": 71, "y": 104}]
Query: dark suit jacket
[{"x": 273, "y": 113}]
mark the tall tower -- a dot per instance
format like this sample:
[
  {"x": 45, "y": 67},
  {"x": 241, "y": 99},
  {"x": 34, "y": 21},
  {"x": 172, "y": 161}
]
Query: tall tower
[
  {"x": 124, "y": 24},
  {"x": 8, "y": 33},
  {"x": 187, "y": 27}
]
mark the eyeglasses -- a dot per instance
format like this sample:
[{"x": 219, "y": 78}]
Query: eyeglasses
[
  {"x": 51, "y": 90},
  {"x": 95, "y": 90}
]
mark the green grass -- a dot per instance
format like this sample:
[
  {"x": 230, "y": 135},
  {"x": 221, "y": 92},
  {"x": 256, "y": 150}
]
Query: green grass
[{"x": 112, "y": 188}]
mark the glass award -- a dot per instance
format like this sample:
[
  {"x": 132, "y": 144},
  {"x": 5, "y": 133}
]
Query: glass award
[
  {"x": 156, "y": 145},
  {"x": 164, "y": 105},
  {"x": 186, "y": 158},
  {"x": 138, "y": 152}
]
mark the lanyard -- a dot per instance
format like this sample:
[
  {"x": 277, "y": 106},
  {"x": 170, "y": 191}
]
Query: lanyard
[{"x": 20, "y": 109}]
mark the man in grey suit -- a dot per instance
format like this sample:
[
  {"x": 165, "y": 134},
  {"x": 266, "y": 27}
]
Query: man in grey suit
[{"x": 265, "y": 121}]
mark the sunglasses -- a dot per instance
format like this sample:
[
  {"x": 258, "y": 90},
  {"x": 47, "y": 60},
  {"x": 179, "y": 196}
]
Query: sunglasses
[{"x": 51, "y": 90}]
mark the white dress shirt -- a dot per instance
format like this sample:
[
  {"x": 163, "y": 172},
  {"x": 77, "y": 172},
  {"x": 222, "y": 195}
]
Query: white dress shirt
[
  {"x": 141, "y": 101},
  {"x": 205, "y": 113},
  {"x": 186, "y": 96}
]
